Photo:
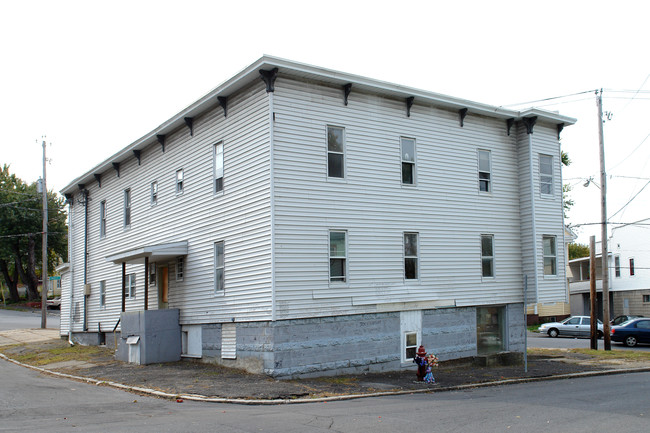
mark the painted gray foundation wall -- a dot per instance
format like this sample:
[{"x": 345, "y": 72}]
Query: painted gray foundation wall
[
  {"x": 351, "y": 344},
  {"x": 159, "y": 332}
]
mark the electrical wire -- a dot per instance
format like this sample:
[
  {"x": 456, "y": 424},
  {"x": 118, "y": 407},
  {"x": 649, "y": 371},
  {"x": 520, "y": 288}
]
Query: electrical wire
[
  {"x": 630, "y": 154},
  {"x": 551, "y": 98},
  {"x": 630, "y": 201}
]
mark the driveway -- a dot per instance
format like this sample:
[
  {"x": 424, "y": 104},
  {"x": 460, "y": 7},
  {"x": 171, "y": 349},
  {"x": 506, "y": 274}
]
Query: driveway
[{"x": 11, "y": 319}]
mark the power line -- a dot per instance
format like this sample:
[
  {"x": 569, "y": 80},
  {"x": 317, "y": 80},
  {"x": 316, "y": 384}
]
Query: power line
[
  {"x": 635, "y": 196},
  {"x": 630, "y": 154},
  {"x": 551, "y": 98}
]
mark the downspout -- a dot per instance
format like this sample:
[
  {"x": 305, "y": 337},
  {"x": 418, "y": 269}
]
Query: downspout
[
  {"x": 72, "y": 258},
  {"x": 85, "y": 193},
  {"x": 534, "y": 214}
]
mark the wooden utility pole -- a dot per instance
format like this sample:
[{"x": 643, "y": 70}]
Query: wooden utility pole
[
  {"x": 592, "y": 293},
  {"x": 603, "y": 216},
  {"x": 44, "y": 263}
]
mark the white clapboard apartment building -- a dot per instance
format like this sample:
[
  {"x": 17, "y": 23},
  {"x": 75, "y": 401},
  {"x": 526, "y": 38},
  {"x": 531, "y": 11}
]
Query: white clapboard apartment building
[{"x": 301, "y": 221}]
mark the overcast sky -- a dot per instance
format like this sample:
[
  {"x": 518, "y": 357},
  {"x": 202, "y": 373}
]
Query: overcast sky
[{"x": 95, "y": 76}]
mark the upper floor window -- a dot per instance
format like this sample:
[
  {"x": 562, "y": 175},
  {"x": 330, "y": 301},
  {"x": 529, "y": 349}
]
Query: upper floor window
[
  {"x": 179, "y": 181},
  {"x": 218, "y": 167},
  {"x": 631, "y": 267},
  {"x": 335, "y": 152},
  {"x": 546, "y": 174},
  {"x": 617, "y": 266},
  {"x": 487, "y": 255},
  {"x": 219, "y": 267},
  {"x": 408, "y": 161},
  {"x": 154, "y": 193},
  {"x": 127, "y": 208},
  {"x": 338, "y": 256},
  {"x": 550, "y": 255},
  {"x": 130, "y": 286},
  {"x": 411, "y": 265},
  {"x": 484, "y": 171},
  {"x": 180, "y": 268},
  {"x": 102, "y": 219}
]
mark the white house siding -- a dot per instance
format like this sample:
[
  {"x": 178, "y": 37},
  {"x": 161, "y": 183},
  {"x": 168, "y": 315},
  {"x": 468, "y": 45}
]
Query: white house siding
[
  {"x": 548, "y": 220},
  {"x": 198, "y": 216},
  {"x": 445, "y": 207}
]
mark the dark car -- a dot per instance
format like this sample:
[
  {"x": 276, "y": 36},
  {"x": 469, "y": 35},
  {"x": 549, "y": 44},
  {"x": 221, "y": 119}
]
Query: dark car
[
  {"x": 618, "y": 320},
  {"x": 632, "y": 332}
]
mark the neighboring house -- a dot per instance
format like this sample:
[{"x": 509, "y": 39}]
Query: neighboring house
[
  {"x": 629, "y": 274},
  {"x": 298, "y": 221}
]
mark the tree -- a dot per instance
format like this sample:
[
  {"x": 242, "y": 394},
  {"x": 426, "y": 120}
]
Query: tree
[
  {"x": 21, "y": 233},
  {"x": 567, "y": 202},
  {"x": 578, "y": 250}
]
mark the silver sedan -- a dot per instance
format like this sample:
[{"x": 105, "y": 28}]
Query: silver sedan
[{"x": 575, "y": 326}]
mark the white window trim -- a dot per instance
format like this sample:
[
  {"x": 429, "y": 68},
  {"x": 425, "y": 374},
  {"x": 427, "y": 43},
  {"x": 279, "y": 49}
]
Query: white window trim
[
  {"x": 617, "y": 266},
  {"x": 479, "y": 171},
  {"x": 403, "y": 161},
  {"x": 179, "y": 182},
  {"x": 128, "y": 206},
  {"x": 216, "y": 172},
  {"x": 154, "y": 193},
  {"x": 222, "y": 267},
  {"x": 493, "y": 276},
  {"x": 102, "y": 219},
  {"x": 551, "y": 175},
  {"x": 631, "y": 266},
  {"x": 327, "y": 156},
  {"x": 554, "y": 256},
  {"x": 345, "y": 257},
  {"x": 417, "y": 257}
]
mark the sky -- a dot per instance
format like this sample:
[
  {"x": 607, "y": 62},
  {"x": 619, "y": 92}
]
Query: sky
[{"x": 94, "y": 76}]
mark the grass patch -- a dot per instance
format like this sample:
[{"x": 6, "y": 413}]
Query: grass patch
[
  {"x": 604, "y": 355},
  {"x": 533, "y": 328},
  {"x": 342, "y": 380},
  {"x": 63, "y": 352}
]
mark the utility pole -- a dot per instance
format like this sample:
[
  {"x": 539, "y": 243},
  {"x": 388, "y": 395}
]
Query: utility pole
[
  {"x": 44, "y": 263},
  {"x": 603, "y": 216},
  {"x": 592, "y": 293}
]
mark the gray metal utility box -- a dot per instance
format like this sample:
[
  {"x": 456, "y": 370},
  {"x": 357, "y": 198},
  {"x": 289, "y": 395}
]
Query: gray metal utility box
[{"x": 150, "y": 337}]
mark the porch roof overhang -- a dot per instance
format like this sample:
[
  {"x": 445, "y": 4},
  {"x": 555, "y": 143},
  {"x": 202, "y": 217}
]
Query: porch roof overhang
[{"x": 155, "y": 253}]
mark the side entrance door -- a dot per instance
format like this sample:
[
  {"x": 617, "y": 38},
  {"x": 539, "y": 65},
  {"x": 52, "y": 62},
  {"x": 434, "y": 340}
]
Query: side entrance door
[{"x": 163, "y": 288}]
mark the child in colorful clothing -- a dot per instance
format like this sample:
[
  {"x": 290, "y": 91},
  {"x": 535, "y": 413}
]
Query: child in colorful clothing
[{"x": 432, "y": 361}]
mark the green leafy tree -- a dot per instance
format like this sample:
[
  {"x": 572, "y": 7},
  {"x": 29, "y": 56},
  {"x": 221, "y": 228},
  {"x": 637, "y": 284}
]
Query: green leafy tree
[
  {"x": 20, "y": 233},
  {"x": 578, "y": 250},
  {"x": 567, "y": 202}
]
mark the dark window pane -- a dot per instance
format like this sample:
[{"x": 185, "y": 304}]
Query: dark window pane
[
  {"x": 486, "y": 246},
  {"x": 337, "y": 270},
  {"x": 488, "y": 270},
  {"x": 411, "y": 268},
  {"x": 411, "y": 339},
  {"x": 335, "y": 139},
  {"x": 218, "y": 184},
  {"x": 410, "y": 353},
  {"x": 407, "y": 173},
  {"x": 410, "y": 244},
  {"x": 335, "y": 165}
]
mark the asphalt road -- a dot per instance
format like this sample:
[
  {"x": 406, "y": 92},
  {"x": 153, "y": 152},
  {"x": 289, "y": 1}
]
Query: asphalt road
[
  {"x": 30, "y": 401},
  {"x": 11, "y": 319},
  {"x": 543, "y": 341}
]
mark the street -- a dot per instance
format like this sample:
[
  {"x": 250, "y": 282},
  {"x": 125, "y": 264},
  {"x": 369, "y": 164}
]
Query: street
[
  {"x": 11, "y": 319},
  {"x": 30, "y": 401},
  {"x": 543, "y": 341}
]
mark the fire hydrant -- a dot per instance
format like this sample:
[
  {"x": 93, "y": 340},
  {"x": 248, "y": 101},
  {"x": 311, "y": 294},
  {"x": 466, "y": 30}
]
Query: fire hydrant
[{"x": 421, "y": 360}]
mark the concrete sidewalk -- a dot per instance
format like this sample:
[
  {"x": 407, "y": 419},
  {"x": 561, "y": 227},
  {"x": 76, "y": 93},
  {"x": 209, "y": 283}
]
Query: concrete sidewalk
[{"x": 20, "y": 336}]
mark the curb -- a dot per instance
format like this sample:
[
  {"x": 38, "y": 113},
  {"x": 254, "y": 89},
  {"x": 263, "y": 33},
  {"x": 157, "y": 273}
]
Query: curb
[{"x": 202, "y": 398}]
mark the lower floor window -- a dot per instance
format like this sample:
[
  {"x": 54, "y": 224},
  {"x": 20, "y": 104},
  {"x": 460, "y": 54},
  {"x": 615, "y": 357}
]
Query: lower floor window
[
  {"x": 102, "y": 294},
  {"x": 411, "y": 344},
  {"x": 337, "y": 256},
  {"x": 130, "y": 286},
  {"x": 490, "y": 324}
]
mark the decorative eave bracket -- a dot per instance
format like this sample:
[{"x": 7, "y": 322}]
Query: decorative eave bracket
[
  {"x": 69, "y": 199},
  {"x": 409, "y": 104},
  {"x": 530, "y": 123},
  {"x": 137, "y": 154},
  {"x": 223, "y": 101},
  {"x": 189, "y": 121},
  {"x": 347, "y": 88},
  {"x": 560, "y": 127},
  {"x": 161, "y": 140},
  {"x": 462, "y": 113},
  {"x": 509, "y": 123},
  {"x": 98, "y": 178},
  {"x": 116, "y": 166},
  {"x": 269, "y": 79}
]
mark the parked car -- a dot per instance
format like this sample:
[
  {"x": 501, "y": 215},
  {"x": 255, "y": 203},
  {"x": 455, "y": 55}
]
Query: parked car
[
  {"x": 623, "y": 318},
  {"x": 576, "y": 326},
  {"x": 632, "y": 332}
]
